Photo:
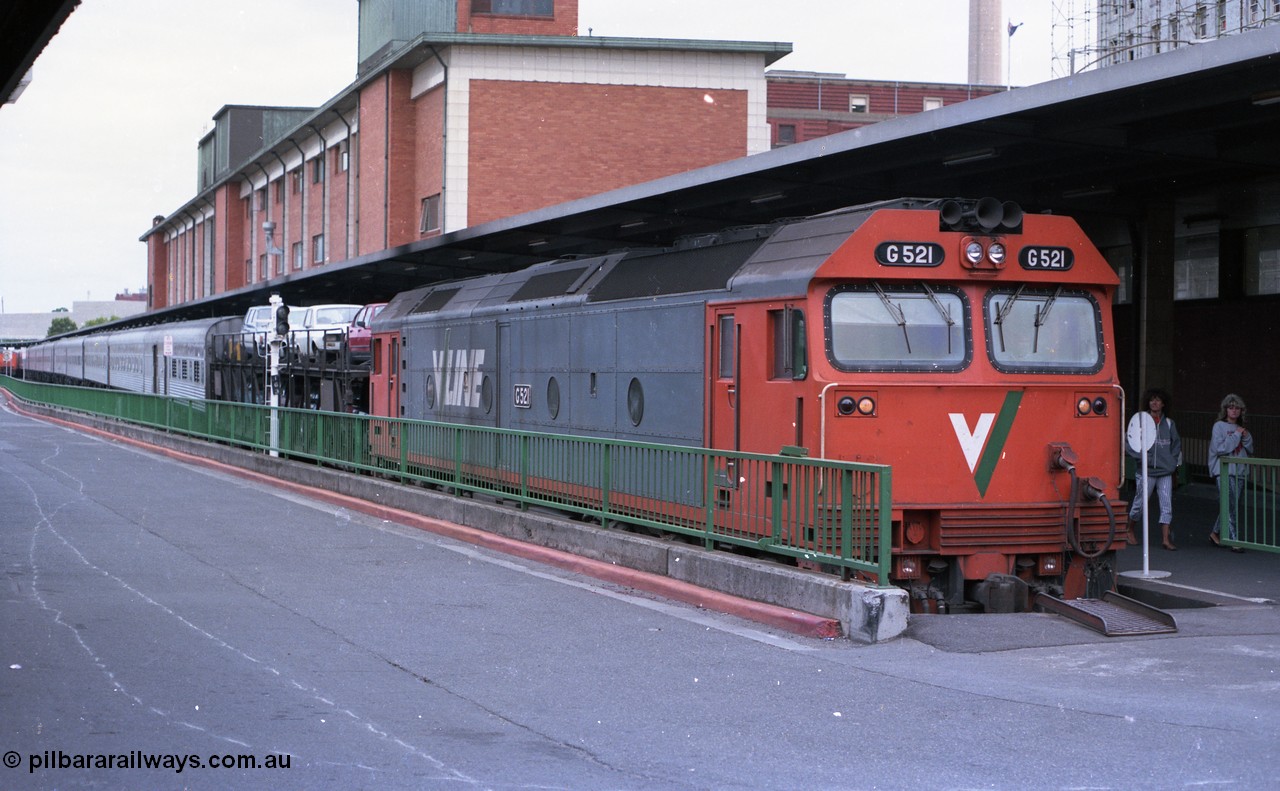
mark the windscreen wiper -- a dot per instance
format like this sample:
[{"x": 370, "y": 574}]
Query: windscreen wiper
[
  {"x": 943, "y": 310},
  {"x": 897, "y": 313},
  {"x": 1002, "y": 312},
  {"x": 1042, "y": 315}
]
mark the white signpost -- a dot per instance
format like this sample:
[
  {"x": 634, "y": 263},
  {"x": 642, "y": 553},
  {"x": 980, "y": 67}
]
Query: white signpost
[{"x": 1142, "y": 437}]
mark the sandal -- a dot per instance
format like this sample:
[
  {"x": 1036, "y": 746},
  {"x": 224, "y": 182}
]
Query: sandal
[
  {"x": 1170, "y": 547},
  {"x": 1214, "y": 538}
]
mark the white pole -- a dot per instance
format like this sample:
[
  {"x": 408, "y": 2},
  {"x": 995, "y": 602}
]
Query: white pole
[
  {"x": 1146, "y": 520},
  {"x": 273, "y": 375}
]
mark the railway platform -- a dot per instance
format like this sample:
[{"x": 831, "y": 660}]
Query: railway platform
[{"x": 1198, "y": 571}]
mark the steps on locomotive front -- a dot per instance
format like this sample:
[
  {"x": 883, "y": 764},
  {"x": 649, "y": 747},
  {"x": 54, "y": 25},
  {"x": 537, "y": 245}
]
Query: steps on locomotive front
[{"x": 1111, "y": 615}]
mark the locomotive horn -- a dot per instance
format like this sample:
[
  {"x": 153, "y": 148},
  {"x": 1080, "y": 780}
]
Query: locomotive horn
[
  {"x": 1012, "y": 214},
  {"x": 952, "y": 212},
  {"x": 989, "y": 213}
]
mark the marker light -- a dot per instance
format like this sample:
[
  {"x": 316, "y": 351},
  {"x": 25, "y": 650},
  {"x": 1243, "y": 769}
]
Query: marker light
[
  {"x": 1100, "y": 406},
  {"x": 1084, "y": 406},
  {"x": 1050, "y": 565},
  {"x": 908, "y": 567},
  {"x": 866, "y": 405},
  {"x": 845, "y": 406}
]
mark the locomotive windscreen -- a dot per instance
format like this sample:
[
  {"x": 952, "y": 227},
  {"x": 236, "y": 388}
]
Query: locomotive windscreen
[{"x": 675, "y": 272}]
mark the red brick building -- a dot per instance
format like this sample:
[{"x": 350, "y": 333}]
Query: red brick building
[
  {"x": 467, "y": 111},
  {"x": 463, "y": 111},
  {"x": 804, "y": 105}
]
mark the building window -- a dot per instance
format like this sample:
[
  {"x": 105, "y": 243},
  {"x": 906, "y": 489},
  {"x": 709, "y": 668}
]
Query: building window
[
  {"x": 297, "y": 255},
  {"x": 1262, "y": 261},
  {"x": 317, "y": 249},
  {"x": 514, "y": 7},
  {"x": 342, "y": 157},
  {"x": 1155, "y": 37},
  {"x": 1202, "y": 22},
  {"x": 430, "y": 214},
  {"x": 1173, "y": 30},
  {"x": 859, "y": 103},
  {"x": 260, "y": 199},
  {"x": 248, "y": 270},
  {"x": 932, "y": 103},
  {"x": 295, "y": 178},
  {"x": 263, "y": 267},
  {"x": 1195, "y": 267},
  {"x": 1121, "y": 260},
  {"x": 280, "y": 191},
  {"x": 317, "y": 170},
  {"x": 786, "y": 134},
  {"x": 1222, "y": 16}
]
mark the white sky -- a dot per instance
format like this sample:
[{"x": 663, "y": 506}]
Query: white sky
[{"x": 105, "y": 137}]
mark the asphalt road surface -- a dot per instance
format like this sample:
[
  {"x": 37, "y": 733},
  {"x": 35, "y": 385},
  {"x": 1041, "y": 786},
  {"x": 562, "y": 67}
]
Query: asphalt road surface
[{"x": 158, "y": 613}]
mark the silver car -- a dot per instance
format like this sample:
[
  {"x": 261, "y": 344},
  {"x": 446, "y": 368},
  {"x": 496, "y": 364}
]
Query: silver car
[{"x": 323, "y": 328}]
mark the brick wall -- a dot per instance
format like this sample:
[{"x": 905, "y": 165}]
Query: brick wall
[
  {"x": 564, "y": 21},
  {"x": 538, "y": 144},
  {"x": 429, "y": 164},
  {"x": 373, "y": 176}
]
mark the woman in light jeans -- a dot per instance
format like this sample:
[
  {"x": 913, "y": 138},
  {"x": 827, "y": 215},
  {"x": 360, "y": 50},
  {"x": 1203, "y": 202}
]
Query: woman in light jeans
[{"x": 1230, "y": 438}]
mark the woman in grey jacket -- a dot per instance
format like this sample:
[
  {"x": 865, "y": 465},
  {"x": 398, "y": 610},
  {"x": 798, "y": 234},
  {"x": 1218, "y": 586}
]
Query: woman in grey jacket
[
  {"x": 1162, "y": 462},
  {"x": 1230, "y": 438}
]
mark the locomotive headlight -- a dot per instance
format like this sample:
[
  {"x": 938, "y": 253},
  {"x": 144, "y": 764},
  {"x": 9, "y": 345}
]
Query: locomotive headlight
[
  {"x": 1049, "y": 565},
  {"x": 995, "y": 253},
  {"x": 1099, "y": 406},
  {"x": 973, "y": 252},
  {"x": 1084, "y": 406},
  {"x": 908, "y": 567}
]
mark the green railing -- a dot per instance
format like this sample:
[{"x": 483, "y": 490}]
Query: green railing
[
  {"x": 1196, "y": 428},
  {"x": 1259, "y": 505},
  {"x": 836, "y": 514}
]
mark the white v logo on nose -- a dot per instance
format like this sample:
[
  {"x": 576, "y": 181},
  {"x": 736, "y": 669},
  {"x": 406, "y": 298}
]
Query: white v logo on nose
[{"x": 971, "y": 442}]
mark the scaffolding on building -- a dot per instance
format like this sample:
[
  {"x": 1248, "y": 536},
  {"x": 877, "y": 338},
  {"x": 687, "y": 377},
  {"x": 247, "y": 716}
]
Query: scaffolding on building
[{"x": 1090, "y": 34}]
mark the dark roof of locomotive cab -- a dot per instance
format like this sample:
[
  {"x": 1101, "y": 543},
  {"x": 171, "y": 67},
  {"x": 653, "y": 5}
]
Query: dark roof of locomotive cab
[{"x": 1104, "y": 143}]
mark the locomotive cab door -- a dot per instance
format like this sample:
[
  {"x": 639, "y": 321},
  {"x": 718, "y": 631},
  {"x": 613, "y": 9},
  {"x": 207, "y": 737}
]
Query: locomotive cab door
[
  {"x": 384, "y": 394},
  {"x": 724, "y": 421}
]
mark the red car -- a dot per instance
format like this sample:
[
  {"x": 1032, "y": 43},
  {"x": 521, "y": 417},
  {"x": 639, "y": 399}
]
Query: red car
[{"x": 358, "y": 334}]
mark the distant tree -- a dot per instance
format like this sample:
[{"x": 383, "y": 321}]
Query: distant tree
[
  {"x": 59, "y": 310},
  {"x": 60, "y": 325},
  {"x": 100, "y": 320}
]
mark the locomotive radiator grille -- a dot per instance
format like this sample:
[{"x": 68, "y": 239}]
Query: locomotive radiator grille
[{"x": 1039, "y": 526}]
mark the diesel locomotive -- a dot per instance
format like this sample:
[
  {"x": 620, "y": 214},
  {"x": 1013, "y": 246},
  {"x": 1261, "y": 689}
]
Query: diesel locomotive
[{"x": 965, "y": 343}]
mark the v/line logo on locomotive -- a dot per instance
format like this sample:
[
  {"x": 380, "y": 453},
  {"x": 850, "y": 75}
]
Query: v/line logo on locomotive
[
  {"x": 990, "y": 432},
  {"x": 458, "y": 375}
]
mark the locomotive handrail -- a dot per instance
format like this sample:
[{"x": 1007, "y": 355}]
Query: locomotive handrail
[
  {"x": 1123, "y": 439},
  {"x": 822, "y": 513}
]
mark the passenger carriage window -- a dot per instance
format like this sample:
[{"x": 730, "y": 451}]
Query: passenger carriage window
[
  {"x": 897, "y": 328},
  {"x": 1043, "y": 331}
]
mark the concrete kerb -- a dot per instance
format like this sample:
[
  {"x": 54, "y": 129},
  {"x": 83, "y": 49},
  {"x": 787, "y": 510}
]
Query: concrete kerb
[{"x": 752, "y": 589}]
